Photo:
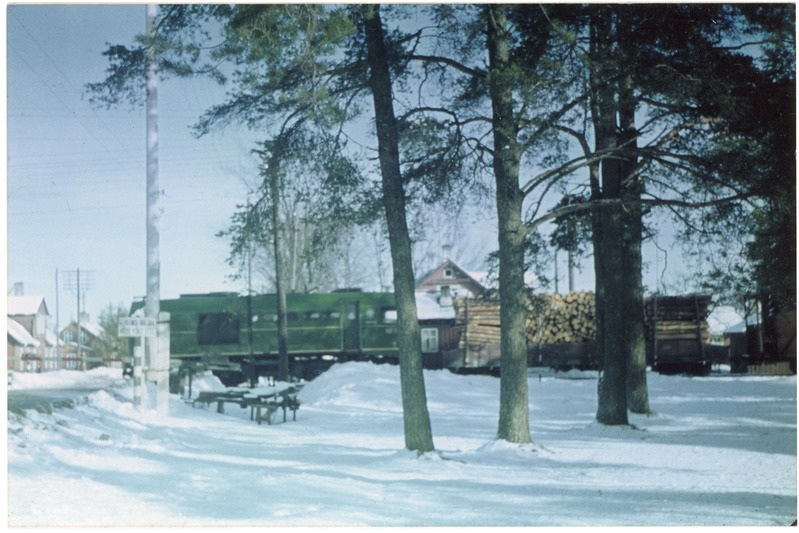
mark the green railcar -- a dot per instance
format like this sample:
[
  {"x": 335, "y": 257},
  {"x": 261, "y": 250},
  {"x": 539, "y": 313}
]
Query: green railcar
[{"x": 215, "y": 329}]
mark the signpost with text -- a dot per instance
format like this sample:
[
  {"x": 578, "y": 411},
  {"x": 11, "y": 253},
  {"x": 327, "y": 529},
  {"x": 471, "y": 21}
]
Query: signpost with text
[
  {"x": 142, "y": 327},
  {"x": 136, "y": 326}
]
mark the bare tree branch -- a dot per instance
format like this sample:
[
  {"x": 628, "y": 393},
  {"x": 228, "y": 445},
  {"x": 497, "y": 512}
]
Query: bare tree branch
[{"x": 608, "y": 202}]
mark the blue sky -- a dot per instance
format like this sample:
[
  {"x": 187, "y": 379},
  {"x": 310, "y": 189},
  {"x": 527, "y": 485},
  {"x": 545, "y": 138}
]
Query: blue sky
[{"x": 76, "y": 173}]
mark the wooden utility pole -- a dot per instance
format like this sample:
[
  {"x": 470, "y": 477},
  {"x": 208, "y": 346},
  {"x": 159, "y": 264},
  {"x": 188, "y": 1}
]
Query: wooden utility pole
[
  {"x": 74, "y": 278},
  {"x": 158, "y": 369},
  {"x": 152, "y": 300}
]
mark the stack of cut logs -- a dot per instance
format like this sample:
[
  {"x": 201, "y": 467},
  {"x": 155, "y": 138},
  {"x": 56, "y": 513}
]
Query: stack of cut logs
[
  {"x": 676, "y": 317},
  {"x": 478, "y": 321},
  {"x": 554, "y": 318},
  {"x": 551, "y": 318},
  {"x": 679, "y": 331}
]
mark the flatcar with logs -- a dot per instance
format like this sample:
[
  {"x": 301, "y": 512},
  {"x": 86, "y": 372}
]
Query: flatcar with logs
[{"x": 561, "y": 334}]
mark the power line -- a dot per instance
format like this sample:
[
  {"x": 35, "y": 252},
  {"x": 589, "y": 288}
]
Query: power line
[
  {"x": 61, "y": 73},
  {"x": 72, "y": 280}
]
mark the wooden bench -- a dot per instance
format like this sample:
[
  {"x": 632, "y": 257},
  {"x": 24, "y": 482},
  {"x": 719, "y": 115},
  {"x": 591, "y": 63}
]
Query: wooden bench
[
  {"x": 221, "y": 398},
  {"x": 268, "y": 403}
]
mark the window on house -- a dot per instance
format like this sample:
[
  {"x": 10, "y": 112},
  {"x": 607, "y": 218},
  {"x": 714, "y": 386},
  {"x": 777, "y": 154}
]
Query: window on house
[
  {"x": 448, "y": 273},
  {"x": 67, "y": 336},
  {"x": 429, "y": 340}
]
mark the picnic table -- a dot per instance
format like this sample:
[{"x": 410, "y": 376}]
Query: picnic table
[{"x": 262, "y": 403}]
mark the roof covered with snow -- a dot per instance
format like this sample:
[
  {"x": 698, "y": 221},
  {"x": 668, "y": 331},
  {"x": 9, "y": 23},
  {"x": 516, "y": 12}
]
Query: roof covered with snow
[
  {"x": 93, "y": 328},
  {"x": 429, "y": 306},
  {"x": 25, "y": 305},
  {"x": 51, "y": 338},
  {"x": 724, "y": 319},
  {"x": 489, "y": 280},
  {"x": 19, "y": 334}
]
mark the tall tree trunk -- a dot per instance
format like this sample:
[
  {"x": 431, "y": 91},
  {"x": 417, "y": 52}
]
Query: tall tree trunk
[
  {"x": 596, "y": 242},
  {"x": 418, "y": 432},
  {"x": 612, "y": 387},
  {"x": 599, "y": 278},
  {"x": 637, "y": 392},
  {"x": 595, "y": 182},
  {"x": 282, "y": 309},
  {"x": 294, "y": 242},
  {"x": 514, "y": 410},
  {"x": 571, "y": 267}
]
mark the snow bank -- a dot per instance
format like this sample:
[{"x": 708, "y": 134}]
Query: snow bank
[
  {"x": 718, "y": 451},
  {"x": 205, "y": 382},
  {"x": 63, "y": 379},
  {"x": 357, "y": 386}
]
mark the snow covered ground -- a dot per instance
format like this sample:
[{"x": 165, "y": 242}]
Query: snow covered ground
[{"x": 720, "y": 450}]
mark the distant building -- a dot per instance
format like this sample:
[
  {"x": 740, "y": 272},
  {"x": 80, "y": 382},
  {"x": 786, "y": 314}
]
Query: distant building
[
  {"x": 29, "y": 314},
  {"x": 78, "y": 352},
  {"x": 436, "y": 292},
  {"x": 458, "y": 282},
  {"x": 22, "y": 348},
  {"x": 436, "y": 314}
]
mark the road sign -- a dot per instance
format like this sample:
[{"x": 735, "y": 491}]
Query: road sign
[{"x": 137, "y": 327}]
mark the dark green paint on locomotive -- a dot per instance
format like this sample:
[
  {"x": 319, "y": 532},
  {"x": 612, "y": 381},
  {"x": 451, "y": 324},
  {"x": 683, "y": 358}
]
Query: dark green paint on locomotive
[{"x": 215, "y": 325}]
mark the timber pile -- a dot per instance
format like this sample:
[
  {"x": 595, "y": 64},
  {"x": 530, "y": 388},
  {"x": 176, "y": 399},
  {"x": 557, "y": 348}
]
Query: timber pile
[
  {"x": 555, "y": 319},
  {"x": 678, "y": 318},
  {"x": 477, "y": 321},
  {"x": 678, "y": 331},
  {"x": 551, "y": 319}
]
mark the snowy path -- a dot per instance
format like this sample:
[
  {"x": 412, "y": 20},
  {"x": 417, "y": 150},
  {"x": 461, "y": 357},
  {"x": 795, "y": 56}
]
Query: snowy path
[{"x": 719, "y": 451}]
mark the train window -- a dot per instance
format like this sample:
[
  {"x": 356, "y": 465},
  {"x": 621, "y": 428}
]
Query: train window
[
  {"x": 312, "y": 315},
  {"x": 292, "y": 316},
  {"x": 217, "y": 328},
  {"x": 370, "y": 313},
  {"x": 389, "y": 315},
  {"x": 333, "y": 315}
]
